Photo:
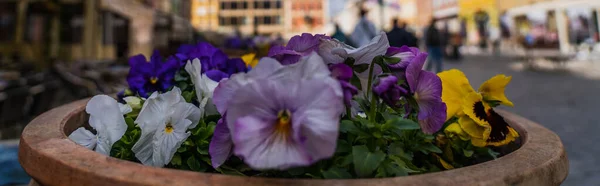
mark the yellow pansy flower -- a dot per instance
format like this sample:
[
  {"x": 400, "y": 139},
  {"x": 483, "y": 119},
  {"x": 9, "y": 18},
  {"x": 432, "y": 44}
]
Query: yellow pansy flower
[
  {"x": 483, "y": 124},
  {"x": 250, "y": 59},
  {"x": 493, "y": 89},
  {"x": 455, "y": 86},
  {"x": 454, "y": 129}
]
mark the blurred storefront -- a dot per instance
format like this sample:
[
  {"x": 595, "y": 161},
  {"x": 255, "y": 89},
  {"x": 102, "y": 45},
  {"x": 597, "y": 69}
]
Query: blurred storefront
[
  {"x": 558, "y": 24},
  {"x": 446, "y": 14},
  {"x": 41, "y": 31},
  {"x": 481, "y": 18}
]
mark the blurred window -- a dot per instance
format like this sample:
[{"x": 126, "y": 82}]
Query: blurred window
[
  {"x": 256, "y": 5},
  {"x": 245, "y": 5},
  {"x": 267, "y": 4},
  {"x": 234, "y": 5},
  {"x": 71, "y": 16},
  {"x": 232, "y": 21},
  {"x": 222, "y": 5},
  {"x": 7, "y": 20},
  {"x": 278, "y": 4}
]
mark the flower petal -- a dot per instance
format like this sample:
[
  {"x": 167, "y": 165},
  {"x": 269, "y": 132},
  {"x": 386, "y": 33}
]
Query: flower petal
[
  {"x": 472, "y": 129},
  {"x": 227, "y": 88},
  {"x": 256, "y": 143},
  {"x": 183, "y": 110},
  {"x": 106, "y": 118},
  {"x": 165, "y": 145},
  {"x": 414, "y": 71},
  {"x": 455, "y": 86},
  {"x": 220, "y": 144},
  {"x": 83, "y": 137},
  {"x": 493, "y": 89},
  {"x": 316, "y": 120},
  {"x": 154, "y": 109}
]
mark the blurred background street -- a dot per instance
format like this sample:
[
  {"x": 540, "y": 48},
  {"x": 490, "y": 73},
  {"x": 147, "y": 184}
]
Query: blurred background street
[{"x": 53, "y": 52}]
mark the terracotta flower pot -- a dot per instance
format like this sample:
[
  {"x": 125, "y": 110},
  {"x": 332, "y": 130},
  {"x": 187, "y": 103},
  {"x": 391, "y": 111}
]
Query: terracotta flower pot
[{"x": 52, "y": 159}]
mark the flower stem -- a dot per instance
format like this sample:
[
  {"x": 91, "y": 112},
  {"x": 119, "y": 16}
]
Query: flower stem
[
  {"x": 373, "y": 108},
  {"x": 348, "y": 112},
  {"x": 369, "y": 87},
  {"x": 370, "y": 81}
]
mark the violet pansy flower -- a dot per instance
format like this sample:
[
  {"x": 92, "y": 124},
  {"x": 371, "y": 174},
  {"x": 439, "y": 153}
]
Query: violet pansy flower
[
  {"x": 389, "y": 91},
  {"x": 146, "y": 77},
  {"x": 405, "y": 54},
  {"x": 215, "y": 64},
  {"x": 426, "y": 88},
  {"x": 343, "y": 73},
  {"x": 283, "y": 123},
  {"x": 298, "y": 46},
  {"x": 283, "y": 106}
]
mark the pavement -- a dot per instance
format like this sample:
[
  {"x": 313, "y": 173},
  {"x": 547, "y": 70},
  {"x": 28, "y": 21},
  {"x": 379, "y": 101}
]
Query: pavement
[{"x": 565, "y": 99}]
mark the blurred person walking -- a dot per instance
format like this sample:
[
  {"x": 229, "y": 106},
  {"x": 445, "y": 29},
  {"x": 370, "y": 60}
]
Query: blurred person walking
[
  {"x": 340, "y": 36},
  {"x": 434, "y": 47},
  {"x": 399, "y": 36},
  {"x": 364, "y": 31}
]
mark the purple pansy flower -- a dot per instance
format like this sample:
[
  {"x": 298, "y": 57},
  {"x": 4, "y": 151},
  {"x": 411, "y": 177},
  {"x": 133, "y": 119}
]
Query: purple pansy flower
[
  {"x": 298, "y": 46},
  {"x": 146, "y": 77},
  {"x": 283, "y": 123},
  {"x": 215, "y": 63},
  {"x": 282, "y": 106},
  {"x": 343, "y": 73},
  {"x": 220, "y": 144},
  {"x": 405, "y": 54},
  {"x": 389, "y": 91},
  {"x": 426, "y": 88}
]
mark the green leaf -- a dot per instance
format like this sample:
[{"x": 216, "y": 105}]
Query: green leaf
[
  {"x": 394, "y": 169},
  {"x": 346, "y": 161},
  {"x": 391, "y": 60},
  {"x": 365, "y": 162},
  {"x": 347, "y": 126},
  {"x": 202, "y": 151},
  {"x": 343, "y": 146},
  {"x": 183, "y": 148},
  {"x": 355, "y": 81},
  {"x": 129, "y": 122},
  {"x": 181, "y": 76},
  {"x": 429, "y": 147},
  {"x": 336, "y": 173},
  {"x": 176, "y": 160},
  {"x": 400, "y": 123},
  {"x": 195, "y": 165},
  {"x": 188, "y": 95},
  {"x": 349, "y": 61},
  {"x": 360, "y": 68},
  {"x": 229, "y": 171},
  {"x": 467, "y": 153}
]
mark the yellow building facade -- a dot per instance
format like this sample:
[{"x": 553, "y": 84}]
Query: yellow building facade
[{"x": 479, "y": 16}]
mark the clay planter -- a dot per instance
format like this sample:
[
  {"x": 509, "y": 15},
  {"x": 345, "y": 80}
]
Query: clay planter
[{"x": 52, "y": 159}]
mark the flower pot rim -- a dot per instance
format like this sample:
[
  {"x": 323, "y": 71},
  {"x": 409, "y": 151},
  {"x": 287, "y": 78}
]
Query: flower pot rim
[{"x": 51, "y": 158}]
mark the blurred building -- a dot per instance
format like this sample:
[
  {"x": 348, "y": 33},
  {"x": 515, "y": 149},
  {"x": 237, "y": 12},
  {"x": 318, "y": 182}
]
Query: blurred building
[
  {"x": 306, "y": 16},
  {"x": 553, "y": 24},
  {"x": 481, "y": 18},
  {"x": 40, "y": 31},
  {"x": 259, "y": 16}
]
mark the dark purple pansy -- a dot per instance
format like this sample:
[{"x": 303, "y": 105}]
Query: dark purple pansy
[
  {"x": 426, "y": 88},
  {"x": 298, "y": 46},
  {"x": 146, "y": 77},
  {"x": 343, "y": 73},
  {"x": 406, "y": 56},
  {"x": 389, "y": 91},
  {"x": 214, "y": 62}
]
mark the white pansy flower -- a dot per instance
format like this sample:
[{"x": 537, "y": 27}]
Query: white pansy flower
[
  {"x": 106, "y": 117},
  {"x": 164, "y": 120},
  {"x": 204, "y": 86}
]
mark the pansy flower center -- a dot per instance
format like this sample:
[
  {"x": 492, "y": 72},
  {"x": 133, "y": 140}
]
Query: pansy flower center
[
  {"x": 153, "y": 80},
  {"x": 283, "y": 123},
  {"x": 169, "y": 128}
]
